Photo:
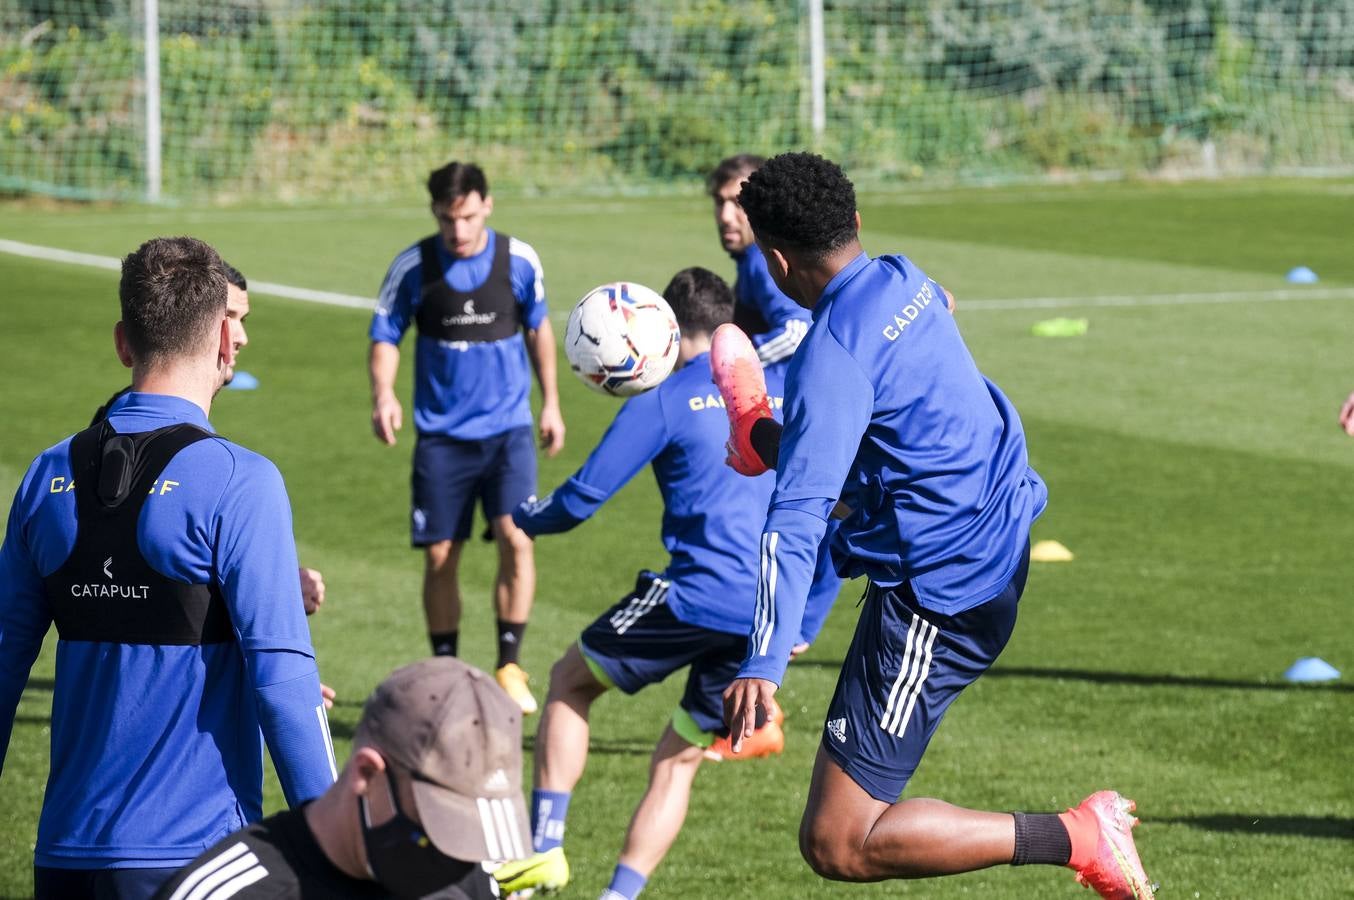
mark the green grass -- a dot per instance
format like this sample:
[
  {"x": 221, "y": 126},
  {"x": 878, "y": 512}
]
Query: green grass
[{"x": 1190, "y": 450}]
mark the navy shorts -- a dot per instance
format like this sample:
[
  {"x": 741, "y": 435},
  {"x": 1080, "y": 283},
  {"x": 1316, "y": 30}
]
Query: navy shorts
[
  {"x": 905, "y": 666},
  {"x": 639, "y": 642},
  {"x": 98, "y": 884},
  {"x": 451, "y": 474}
]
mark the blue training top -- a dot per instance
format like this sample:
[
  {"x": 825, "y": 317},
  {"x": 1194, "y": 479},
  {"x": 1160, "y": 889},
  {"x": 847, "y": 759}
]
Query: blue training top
[
  {"x": 462, "y": 389},
  {"x": 886, "y": 409},
  {"x": 711, "y": 514},
  {"x": 787, "y": 322},
  {"x": 155, "y": 750}
]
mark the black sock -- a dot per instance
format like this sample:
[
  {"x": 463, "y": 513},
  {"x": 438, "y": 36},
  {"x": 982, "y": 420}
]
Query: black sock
[
  {"x": 444, "y": 643},
  {"x": 1041, "y": 838},
  {"x": 765, "y": 439},
  {"x": 509, "y": 641}
]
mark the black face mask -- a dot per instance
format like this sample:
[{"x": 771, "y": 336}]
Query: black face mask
[{"x": 407, "y": 863}]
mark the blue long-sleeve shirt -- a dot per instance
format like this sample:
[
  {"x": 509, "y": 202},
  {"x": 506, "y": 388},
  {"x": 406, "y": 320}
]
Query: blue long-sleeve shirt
[
  {"x": 884, "y": 404},
  {"x": 712, "y": 516},
  {"x": 786, "y": 321},
  {"x": 465, "y": 390},
  {"x": 155, "y": 749}
]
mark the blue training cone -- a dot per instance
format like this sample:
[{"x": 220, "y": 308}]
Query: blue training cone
[
  {"x": 242, "y": 381},
  {"x": 1301, "y": 275},
  {"x": 1310, "y": 669}
]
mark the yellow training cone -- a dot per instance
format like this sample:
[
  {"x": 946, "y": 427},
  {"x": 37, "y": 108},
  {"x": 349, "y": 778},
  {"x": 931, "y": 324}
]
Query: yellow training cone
[{"x": 1050, "y": 551}]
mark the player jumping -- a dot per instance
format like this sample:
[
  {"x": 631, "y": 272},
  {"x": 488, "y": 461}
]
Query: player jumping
[{"x": 886, "y": 411}]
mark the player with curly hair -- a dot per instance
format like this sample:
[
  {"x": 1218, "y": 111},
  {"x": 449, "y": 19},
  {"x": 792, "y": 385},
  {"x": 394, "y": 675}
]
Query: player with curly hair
[{"x": 886, "y": 413}]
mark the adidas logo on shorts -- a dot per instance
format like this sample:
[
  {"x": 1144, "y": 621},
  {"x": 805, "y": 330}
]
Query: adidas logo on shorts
[{"x": 837, "y": 728}]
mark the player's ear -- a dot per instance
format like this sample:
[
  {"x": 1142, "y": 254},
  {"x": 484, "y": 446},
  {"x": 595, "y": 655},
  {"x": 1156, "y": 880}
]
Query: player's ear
[
  {"x": 488, "y": 204},
  {"x": 857, "y": 221},
  {"x": 363, "y": 766},
  {"x": 776, "y": 262},
  {"x": 122, "y": 345},
  {"x": 225, "y": 346}
]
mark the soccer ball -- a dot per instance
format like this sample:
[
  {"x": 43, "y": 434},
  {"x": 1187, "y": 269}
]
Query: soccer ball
[{"x": 622, "y": 339}]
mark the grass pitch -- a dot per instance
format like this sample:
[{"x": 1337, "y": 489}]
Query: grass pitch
[{"x": 1188, "y": 441}]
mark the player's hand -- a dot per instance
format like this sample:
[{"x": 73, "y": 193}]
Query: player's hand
[
  {"x": 387, "y": 417},
  {"x": 1347, "y": 416},
  {"x": 741, "y": 699},
  {"x": 797, "y": 649},
  {"x": 327, "y": 694},
  {"x": 312, "y": 589},
  {"x": 552, "y": 430}
]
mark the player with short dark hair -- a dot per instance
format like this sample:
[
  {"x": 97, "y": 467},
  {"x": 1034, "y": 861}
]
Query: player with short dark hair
[
  {"x": 775, "y": 322},
  {"x": 886, "y": 410},
  {"x": 476, "y": 298},
  {"x": 696, "y": 612},
  {"x": 237, "y": 310},
  {"x": 432, "y": 791},
  {"x": 164, "y": 556}
]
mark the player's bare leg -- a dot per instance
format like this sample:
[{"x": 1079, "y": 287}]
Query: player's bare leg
[
  {"x": 848, "y": 835},
  {"x": 516, "y": 585},
  {"x": 441, "y": 590},
  {"x": 562, "y": 737},
  {"x": 659, "y": 817},
  {"x": 513, "y": 593},
  {"x": 561, "y": 755}
]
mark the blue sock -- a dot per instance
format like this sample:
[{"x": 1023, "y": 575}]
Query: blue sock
[
  {"x": 548, "y": 809},
  {"x": 626, "y": 884}
]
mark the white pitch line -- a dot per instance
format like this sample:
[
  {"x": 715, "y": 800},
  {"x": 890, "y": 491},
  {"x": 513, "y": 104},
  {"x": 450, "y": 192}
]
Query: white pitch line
[
  {"x": 55, "y": 254},
  {"x": 1280, "y": 295},
  {"x": 331, "y": 298}
]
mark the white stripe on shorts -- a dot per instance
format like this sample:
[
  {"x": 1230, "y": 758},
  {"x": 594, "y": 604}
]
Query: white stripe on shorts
[
  {"x": 911, "y": 676},
  {"x": 621, "y": 620}
]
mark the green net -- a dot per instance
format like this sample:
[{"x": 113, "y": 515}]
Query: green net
[{"x": 349, "y": 99}]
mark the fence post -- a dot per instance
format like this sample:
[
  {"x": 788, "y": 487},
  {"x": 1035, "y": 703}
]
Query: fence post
[
  {"x": 151, "y": 9},
  {"x": 817, "y": 73}
]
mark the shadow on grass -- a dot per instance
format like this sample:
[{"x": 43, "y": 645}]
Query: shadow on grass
[
  {"x": 1145, "y": 679},
  {"x": 1305, "y": 826},
  {"x": 605, "y": 748},
  {"x": 1158, "y": 680}
]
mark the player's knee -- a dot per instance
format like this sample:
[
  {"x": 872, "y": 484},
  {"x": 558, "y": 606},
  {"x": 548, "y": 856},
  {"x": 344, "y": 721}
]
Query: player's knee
[
  {"x": 831, "y": 850},
  {"x": 571, "y": 677},
  {"x": 513, "y": 541},
  {"x": 439, "y": 556}
]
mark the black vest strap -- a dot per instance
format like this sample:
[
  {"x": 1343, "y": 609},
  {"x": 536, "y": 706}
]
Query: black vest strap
[
  {"x": 105, "y": 590},
  {"x": 488, "y": 313}
]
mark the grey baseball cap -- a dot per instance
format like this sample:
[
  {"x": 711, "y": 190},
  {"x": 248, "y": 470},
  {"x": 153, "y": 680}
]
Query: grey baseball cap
[{"x": 460, "y": 736}]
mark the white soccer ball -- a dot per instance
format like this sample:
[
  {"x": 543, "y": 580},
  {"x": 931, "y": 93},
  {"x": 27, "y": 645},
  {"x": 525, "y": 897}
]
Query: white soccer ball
[{"x": 622, "y": 339}]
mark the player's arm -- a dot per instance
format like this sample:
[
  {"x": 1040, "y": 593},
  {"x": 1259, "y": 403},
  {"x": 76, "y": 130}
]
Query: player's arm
[
  {"x": 24, "y": 618},
  {"x": 635, "y": 437},
  {"x": 387, "y": 415},
  {"x": 391, "y": 318},
  {"x": 528, "y": 285},
  {"x": 256, "y": 556},
  {"x": 827, "y": 409},
  {"x": 822, "y": 593},
  {"x": 788, "y": 321},
  {"x": 541, "y": 351},
  {"x": 1347, "y": 416}
]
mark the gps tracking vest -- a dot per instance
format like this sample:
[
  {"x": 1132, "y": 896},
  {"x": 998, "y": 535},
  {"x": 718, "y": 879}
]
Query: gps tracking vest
[
  {"x": 488, "y": 313},
  {"x": 105, "y": 590}
]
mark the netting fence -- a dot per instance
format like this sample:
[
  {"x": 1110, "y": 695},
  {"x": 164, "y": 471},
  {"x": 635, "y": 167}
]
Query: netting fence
[{"x": 296, "y": 99}]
